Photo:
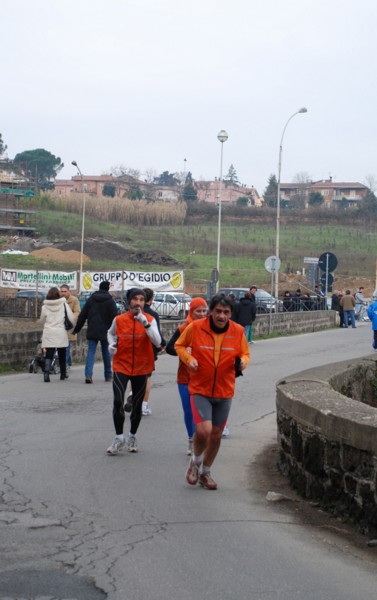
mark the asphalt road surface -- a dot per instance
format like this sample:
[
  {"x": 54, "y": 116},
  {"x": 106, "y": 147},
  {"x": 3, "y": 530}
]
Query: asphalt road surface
[{"x": 77, "y": 523}]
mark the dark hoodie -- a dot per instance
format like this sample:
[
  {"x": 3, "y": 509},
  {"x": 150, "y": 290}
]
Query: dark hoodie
[
  {"x": 244, "y": 311},
  {"x": 100, "y": 310}
]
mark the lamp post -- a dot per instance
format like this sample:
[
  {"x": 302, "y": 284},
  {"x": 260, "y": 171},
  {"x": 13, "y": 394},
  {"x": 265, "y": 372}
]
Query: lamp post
[
  {"x": 277, "y": 250},
  {"x": 83, "y": 220},
  {"x": 222, "y": 136}
]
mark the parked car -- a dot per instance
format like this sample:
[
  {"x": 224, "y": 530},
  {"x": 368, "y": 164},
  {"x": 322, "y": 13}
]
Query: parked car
[
  {"x": 171, "y": 305},
  {"x": 264, "y": 301},
  {"x": 31, "y": 294}
]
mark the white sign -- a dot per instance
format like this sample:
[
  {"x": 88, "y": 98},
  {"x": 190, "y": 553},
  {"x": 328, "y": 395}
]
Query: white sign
[
  {"x": 162, "y": 281},
  {"x": 272, "y": 264},
  {"x": 27, "y": 280},
  {"x": 311, "y": 261}
]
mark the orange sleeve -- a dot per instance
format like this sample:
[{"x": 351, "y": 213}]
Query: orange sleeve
[
  {"x": 245, "y": 352},
  {"x": 184, "y": 341}
]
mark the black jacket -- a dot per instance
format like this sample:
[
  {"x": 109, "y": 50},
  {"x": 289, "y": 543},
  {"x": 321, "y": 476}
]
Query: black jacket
[
  {"x": 99, "y": 310},
  {"x": 244, "y": 312}
]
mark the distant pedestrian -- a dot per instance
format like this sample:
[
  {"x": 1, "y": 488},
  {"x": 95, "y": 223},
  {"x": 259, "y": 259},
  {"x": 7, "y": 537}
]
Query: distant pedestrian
[
  {"x": 99, "y": 310},
  {"x": 372, "y": 314},
  {"x": 74, "y": 305},
  {"x": 287, "y": 301},
  {"x": 54, "y": 333},
  {"x": 359, "y": 302},
  {"x": 348, "y": 305},
  {"x": 244, "y": 314}
]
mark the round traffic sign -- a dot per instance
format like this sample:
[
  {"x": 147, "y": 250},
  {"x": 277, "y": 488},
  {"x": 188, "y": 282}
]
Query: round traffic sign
[
  {"x": 272, "y": 264},
  {"x": 330, "y": 279},
  {"x": 327, "y": 262}
]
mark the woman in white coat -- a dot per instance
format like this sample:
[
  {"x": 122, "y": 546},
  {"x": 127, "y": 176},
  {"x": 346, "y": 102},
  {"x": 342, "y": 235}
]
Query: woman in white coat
[{"x": 54, "y": 333}]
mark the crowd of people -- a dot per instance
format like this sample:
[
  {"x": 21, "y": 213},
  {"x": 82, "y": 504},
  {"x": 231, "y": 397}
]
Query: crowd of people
[{"x": 212, "y": 346}]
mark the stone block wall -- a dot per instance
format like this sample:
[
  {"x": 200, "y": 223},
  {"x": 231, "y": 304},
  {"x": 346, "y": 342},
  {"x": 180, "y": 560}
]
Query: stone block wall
[{"x": 328, "y": 441}]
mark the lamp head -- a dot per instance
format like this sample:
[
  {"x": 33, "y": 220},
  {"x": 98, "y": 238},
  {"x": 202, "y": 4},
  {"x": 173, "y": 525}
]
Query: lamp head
[
  {"x": 74, "y": 163},
  {"x": 303, "y": 110},
  {"x": 222, "y": 136}
]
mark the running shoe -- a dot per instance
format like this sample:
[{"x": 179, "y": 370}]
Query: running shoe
[
  {"x": 128, "y": 405},
  {"x": 116, "y": 446},
  {"x": 146, "y": 410},
  {"x": 192, "y": 473},
  {"x": 226, "y": 432},
  {"x": 131, "y": 443},
  {"x": 206, "y": 481}
]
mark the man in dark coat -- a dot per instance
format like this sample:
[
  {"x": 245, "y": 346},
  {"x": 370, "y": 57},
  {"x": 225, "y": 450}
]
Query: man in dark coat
[
  {"x": 245, "y": 312},
  {"x": 99, "y": 310}
]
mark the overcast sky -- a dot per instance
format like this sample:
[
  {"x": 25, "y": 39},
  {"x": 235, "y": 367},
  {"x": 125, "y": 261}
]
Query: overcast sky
[{"x": 149, "y": 83}]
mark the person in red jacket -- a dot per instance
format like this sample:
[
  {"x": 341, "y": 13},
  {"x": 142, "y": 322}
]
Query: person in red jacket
[
  {"x": 214, "y": 350},
  {"x": 131, "y": 339}
]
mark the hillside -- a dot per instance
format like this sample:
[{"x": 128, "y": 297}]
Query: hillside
[{"x": 190, "y": 242}]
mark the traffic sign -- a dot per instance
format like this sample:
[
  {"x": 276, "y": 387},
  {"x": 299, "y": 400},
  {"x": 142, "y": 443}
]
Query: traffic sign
[
  {"x": 327, "y": 262},
  {"x": 330, "y": 280},
  {"x": 272, "y": 264}
]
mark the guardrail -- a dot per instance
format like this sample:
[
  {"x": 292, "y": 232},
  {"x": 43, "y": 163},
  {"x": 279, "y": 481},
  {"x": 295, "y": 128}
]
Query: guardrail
[{"x": 20, "y": 308}]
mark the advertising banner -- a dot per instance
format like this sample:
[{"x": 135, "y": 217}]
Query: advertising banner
[
  {"x": 27, "y": 280},
  {"x": 163, "y": 281}
]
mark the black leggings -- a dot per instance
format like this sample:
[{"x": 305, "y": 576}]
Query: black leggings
[
  {"x": 138, "y": 385},
  {"x": 62, "y": 357}
]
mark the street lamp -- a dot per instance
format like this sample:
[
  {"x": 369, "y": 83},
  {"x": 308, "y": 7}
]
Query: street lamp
[
  {"x": 83, "y": 220},
  {"x": 277, "y": 250},
  {"x": 222, "y": 136}
]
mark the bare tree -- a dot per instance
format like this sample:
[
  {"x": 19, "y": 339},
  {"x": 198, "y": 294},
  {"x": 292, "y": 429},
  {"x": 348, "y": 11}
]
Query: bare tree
[
  {"x": 371, "y": 182},
  {"x": 149, "y": 175},
  {"x": 122, "y": 170}
]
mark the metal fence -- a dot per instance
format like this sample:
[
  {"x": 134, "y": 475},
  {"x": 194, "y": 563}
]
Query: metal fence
[{"x": 20, "y": 308}]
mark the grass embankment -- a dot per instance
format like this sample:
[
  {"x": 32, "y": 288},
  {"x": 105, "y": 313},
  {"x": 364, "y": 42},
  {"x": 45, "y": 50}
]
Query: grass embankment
[{"x": 246, "y": 240}]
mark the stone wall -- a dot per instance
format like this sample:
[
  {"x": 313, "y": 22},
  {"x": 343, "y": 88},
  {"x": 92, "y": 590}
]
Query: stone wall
[
  {"x": 18, "y": 346},
  {"x": 328, "y": 440}
]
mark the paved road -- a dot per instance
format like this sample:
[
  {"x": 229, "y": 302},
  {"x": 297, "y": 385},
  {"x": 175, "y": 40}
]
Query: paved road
[{"x": 76, "y": 523}]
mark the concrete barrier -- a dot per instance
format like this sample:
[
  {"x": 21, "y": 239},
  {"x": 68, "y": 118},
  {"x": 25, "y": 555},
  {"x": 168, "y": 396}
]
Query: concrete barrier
[{"x": 327, "y": 435}]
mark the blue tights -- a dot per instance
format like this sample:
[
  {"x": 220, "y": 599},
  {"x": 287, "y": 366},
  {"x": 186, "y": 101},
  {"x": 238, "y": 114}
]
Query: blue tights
[{"x": 186, "y": 405}]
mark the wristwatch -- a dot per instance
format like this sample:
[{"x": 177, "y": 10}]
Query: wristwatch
[{"x": 147, "y": 326}]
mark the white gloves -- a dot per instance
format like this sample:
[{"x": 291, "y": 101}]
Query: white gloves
[
  {"x": 142, "y": 319},
  {"x": 112, "y": 349}
]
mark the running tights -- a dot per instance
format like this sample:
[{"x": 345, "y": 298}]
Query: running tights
[{"x": 138, "y": 385}]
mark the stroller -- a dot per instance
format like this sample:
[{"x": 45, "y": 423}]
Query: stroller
[{"x": 38, "y": 361}]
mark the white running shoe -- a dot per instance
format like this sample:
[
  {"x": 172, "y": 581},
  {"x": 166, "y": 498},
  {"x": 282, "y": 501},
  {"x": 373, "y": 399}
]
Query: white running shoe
[
  {"x": 226, "y": 432},
  {"x": 146, "y": 410},
  {"x": 116, "y": 446},
  {"x": 131, "y": 443}
]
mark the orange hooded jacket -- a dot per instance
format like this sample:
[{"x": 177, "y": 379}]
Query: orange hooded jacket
[{"x": 216, "y": 354}]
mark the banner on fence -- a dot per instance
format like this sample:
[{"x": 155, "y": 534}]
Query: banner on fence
[
  {"x": 27, "y": 280},
  {"x": 162, "y": 281}
]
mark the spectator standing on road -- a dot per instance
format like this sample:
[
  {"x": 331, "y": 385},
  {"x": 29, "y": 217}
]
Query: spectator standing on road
[
  {"x": 348, "y": 305},
  {"x": 54, "y": 333},
  {"x": 218, "y": 348},
  {"x": 335, "y": 305},
  {"x": 99, "y": 310},
  {"x": 198, "y": 310},
  {"x": 359, "y": 302},
  {"x": 74, "y": 305},
  {"x": 244, "y": 314},
  {"x": 131, "y": 336},
  {"x": 149, "y": 294},
  {"x": 372, "y": 314}
]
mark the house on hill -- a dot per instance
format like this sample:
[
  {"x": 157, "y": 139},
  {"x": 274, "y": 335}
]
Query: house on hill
[
  {"x": 209, "y": 191},
  {"x": 334, "y": 193}
]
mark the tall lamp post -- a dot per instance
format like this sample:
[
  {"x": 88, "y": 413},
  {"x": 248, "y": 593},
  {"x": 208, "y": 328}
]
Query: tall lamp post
[
  {"x": 222, "y": 136},
  {"x": 277, "y": 250},
  {"x": 83, "y": 220}
]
